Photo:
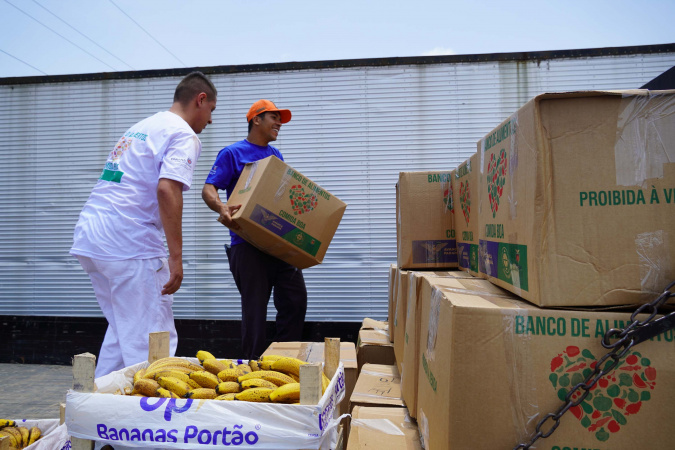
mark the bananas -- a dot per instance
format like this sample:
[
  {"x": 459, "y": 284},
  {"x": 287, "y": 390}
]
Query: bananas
[
  {"x": 203, "y": 355},
  {"x": 19, "y": 437},
  {"x": 205, "y": 379},
  {"x": 288, "y": 393},
  {"x": 277, "y": 378},
  {"x": 206, "y": 393},
  {"x": 257, "y": 383},
  {"x": 289, "y": 366},
  {"x": 178, "y": 387},
  {"x": 6, "y": 423},
  {"x": 273, "y": 378},
  {"x": 254, "y": 395},
  {"x": 228, "y": 387}
]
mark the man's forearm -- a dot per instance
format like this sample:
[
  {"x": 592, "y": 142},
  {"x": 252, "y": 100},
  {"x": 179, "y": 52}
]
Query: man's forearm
[{"x": 170, "y": 200}]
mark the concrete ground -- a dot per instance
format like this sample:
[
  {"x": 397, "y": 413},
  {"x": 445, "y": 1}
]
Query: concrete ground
[{"x": 33, "y": 391}]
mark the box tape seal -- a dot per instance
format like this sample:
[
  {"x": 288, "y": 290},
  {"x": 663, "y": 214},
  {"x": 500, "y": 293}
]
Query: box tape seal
[
  {"x": 283, "y": 185},
  {"x": 643, "y": 137},
  {"x": 654, "y": 257},
  {"x": 385, "y": 426}
]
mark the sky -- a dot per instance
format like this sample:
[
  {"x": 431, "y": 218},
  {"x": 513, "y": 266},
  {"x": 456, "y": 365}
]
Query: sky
[{"x": 60, "y": 37}]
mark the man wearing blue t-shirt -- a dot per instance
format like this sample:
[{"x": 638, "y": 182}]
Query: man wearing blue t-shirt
[{"x": 256, "y": 273}]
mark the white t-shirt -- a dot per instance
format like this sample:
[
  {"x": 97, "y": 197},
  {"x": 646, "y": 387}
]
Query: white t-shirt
[{"x": 121, "y": 218}]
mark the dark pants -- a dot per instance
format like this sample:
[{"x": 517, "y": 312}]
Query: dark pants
[{"x": 256, "y": 273}]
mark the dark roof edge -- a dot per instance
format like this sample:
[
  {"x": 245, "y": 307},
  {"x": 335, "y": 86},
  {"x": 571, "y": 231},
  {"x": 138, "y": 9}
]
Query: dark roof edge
[{"x": 342, "y": 63}]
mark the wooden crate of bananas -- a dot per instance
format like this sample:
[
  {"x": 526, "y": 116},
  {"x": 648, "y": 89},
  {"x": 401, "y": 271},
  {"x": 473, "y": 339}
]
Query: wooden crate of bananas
[
  {"x": 43, "y": 434},
  {"x": 207, "y": 401}
]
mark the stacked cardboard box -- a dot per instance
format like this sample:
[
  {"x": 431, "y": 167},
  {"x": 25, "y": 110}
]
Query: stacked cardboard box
[
  {"x": 572, "y": 207},
  {"x": 576, "y": 199}
]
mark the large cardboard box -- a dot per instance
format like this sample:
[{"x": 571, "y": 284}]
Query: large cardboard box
[
  {"x": 493, "y": 367},
  {"x": 284, "y": 213},
  {"x": 425, "y": 228},
  {"x": 465, "y": 195},
  {"x": 382, "y": 427},
  {"x": 374, "y": 347},
  {"x": 576, "y": 198},
  {"x": 457, "y": 281},
  {"x": 377, "y": 385},
  {"x": 312, "y": 352}
]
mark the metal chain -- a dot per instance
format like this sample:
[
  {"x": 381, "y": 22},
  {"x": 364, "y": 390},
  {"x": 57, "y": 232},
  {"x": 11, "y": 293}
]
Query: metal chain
[{"x": 625, "y": 340}]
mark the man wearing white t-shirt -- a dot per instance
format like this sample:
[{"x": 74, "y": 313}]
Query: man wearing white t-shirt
[{"x": 138, "y": 199}]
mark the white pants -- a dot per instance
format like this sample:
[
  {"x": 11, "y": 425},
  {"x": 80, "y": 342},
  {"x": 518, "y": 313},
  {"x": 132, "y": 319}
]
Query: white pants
[{"x": 129, "y": 294}]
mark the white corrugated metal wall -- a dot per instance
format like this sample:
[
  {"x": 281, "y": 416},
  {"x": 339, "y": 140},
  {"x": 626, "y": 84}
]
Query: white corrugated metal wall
[{"x": 353, "y": 131}]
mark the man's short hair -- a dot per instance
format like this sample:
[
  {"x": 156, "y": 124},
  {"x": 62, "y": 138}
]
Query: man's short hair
[
  {"x": 190, "y": 86},
  {"x": 250, "y": 122}
]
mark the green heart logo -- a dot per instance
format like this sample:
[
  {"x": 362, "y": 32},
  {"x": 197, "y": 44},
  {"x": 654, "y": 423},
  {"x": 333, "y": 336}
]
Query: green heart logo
[
  {"x": 617, "y": 395},
  {"x": 496, "y": 178},
  {"x": 300, "y": 201}
]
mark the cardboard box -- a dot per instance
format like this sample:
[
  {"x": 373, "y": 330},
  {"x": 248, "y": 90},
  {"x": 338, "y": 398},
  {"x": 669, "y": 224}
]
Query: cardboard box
[
  {"x": 284, "y": 213},
  {"x": 465, "y": 196},
  {"x": 457, "y": 281},
  {"x": 377, "y": 385},
  {"x": 493, "y": 367},
  {"x": 312, "y": 352},
  {"x": 425, "y": 228},
  {"x": 374, "y": 347},
  {"x": 372, "y": 429},
  {"x": 399, "y": 317},
  {"x": 393, "y": 289},
  {"x": 577, "y": 198}
]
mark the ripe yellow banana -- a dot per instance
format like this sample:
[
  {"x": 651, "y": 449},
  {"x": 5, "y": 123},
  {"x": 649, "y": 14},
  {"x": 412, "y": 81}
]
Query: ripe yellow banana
[
  {"x": 174, "y": 362},
  {"x": 243, "y": 368},
  {"x": 6, "y": 423},
  {"x": 254, "y": 395},
  {"x": 254, "y": 365},
  {"x": 146, "y": 387},
  {"x": 178, "y": 387},
  {"x": 257, "y": 383},
  {"x": 229, "y": 396},
  {"x": 230, "y": 374},
  {"x": 152, "y": 374},
  {"x": 205, "y": 379},
  {"x": 228, "y": 387},
  {"x": 288, "y": 393},
  {"x": 139, "y": 374},
  {"x": 277, "y": 378},
  {"x": 165, "y": 393},
  {"x": 288, "y": 365},
  {"x": 14, "y": 435},
  {"x": 215, "y": 365},
  {"x": 164, "y": 361},
  {"x": 271, "y": 357},
  {"x": 35, "y": 434},
  {"x": 198, "y": 393},
  {"x": 265, "y": 365},
  {"x": 180, "y": 375},
  {"x": 203, "y": 355}
]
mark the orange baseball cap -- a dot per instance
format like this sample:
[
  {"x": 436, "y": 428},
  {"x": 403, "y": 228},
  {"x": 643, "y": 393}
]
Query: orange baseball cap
[{"x": 262, "y": 106}]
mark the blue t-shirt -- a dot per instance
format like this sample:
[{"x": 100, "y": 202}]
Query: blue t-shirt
[{"x": 229, "y": 164}]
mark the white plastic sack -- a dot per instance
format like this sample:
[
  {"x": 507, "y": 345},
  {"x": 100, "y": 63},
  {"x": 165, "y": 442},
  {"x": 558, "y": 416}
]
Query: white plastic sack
[
  {"x": 54, "y": 436},
  {"x": 128, "y": 422}
]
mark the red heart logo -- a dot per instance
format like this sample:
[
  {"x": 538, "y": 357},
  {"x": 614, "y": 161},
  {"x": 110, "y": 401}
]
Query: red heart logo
[
  {"x": 300, "y": 201},
  {"x": 496, "y": 178},
  {"x": 614, "y": 397}
]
